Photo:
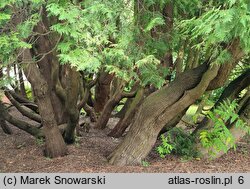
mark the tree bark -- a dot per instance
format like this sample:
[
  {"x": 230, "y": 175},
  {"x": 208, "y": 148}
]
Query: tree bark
[
  {"x": 54, "y": 143},
  {"x": 3, "y": 124},
  {"x": 24, "y": 101},
  {"x": 71, "y": 104},
  {"x": 158, "y": 109},
  {"x": 31, "y": 129},
  {"x": 48, "y": 64},
  {"x": 102, "y": 91},
  {"x": 125, "y": 121},
  {"x": 23, "y": 110}
]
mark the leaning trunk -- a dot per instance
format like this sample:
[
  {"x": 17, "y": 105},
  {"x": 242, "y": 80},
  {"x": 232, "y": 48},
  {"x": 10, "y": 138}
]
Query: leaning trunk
[
  {"x": 126, "y": 120},
  {"x": 158, "y": 109}
]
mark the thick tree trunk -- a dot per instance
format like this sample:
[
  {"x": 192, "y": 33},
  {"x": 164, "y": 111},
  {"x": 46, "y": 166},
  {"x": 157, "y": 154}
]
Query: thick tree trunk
[
  {"x": 49, "y": 65},
  {"x": 54, "y": 143},
  {"x": 158, "y": 109},
  {"x": 161, "y": 107},
  {"x": 71, "y": 104},
  {"x": 102, "y": 91}
]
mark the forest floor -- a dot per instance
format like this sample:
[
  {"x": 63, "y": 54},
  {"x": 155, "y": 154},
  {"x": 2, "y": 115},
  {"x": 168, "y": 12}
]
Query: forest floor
[{"x": 21, "y": 152}]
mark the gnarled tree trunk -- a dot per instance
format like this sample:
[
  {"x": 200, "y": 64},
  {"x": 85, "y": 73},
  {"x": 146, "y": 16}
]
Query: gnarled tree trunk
[
  {"x": 162, "y": 106},
  {"x": 158, "y": 109}
]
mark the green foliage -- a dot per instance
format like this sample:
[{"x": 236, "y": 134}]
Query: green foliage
[
  {"x": 77, "y": 141},
  {"x": 150, "y": 73},
  {"x": 28, "y": 91},
  {"x": 40, "y": 141},
  {"x": 178, "y": 142},
  {"x": 101, "y": 35},
  {"x": 219, "y": 138},
  {"x": 145, "y": 163},
  {"x": 221, "y": 22},
  {"x": 165, "y": 147},
  {"x": 158, "y": 21}
]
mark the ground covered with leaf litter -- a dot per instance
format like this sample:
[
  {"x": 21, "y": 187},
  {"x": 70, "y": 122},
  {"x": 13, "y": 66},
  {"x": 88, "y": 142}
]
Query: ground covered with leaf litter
[{"x": 21, "y": 152}]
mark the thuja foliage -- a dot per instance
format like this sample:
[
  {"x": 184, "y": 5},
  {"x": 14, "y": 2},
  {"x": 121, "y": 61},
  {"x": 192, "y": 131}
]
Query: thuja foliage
[
  {"x": 101, "y": 35},
  {"x": 219, "y": 138},
  {"x": 219, "y": 24},
  {"x": 179, "y": 142},
  {"x": 91, "y": 35}
]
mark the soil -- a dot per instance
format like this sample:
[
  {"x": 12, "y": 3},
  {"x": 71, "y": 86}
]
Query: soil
[{"x": 21, "y": 152}]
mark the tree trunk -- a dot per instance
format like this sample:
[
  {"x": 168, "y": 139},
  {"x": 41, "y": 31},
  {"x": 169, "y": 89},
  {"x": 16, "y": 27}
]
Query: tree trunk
[
  {"x": 106, "y": 113},
  {"x": 31, "y": 129},
  {"x": 158, "y": 109},
  {"x": 71, "y": 104},
  {"x": 125, "y": 121},
  {"x": 23, "y": 110},
  {"x": 49, "y": 65},
  {"x": 3, "y": 124},
  {"x": 124, "y": 109},
  {"x": 102, "y": 91},
  {"x": 20, "y": 99},
  {"x": 230, "y": 92},
  {"x": 54, "y": 143}
]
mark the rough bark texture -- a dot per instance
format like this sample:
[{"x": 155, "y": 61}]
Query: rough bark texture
[
  {"x": 125, "y": 121},
  {"x": 171, "y": 124},
  {"x": 102, "y": 91},
  {"x": 226, "y": 68},
  {"x": 54, "y": 143},
  {"x": 158, "y": 109},
  {"x": 48, "y": 64},
  {"x": 161, "y": 107},
  {"x": 71, "y": 104}
]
